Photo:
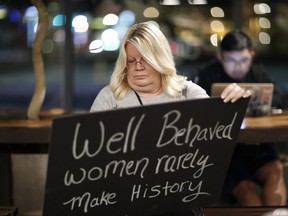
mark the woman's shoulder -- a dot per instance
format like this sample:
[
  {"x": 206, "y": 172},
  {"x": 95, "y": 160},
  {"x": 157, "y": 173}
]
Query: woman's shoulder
[
  {"x": 106, "y": 89},
  {"x": 103, "y": 100},
  {"x": 194, "y": 91},
  {"x": 190, "y": 84}
]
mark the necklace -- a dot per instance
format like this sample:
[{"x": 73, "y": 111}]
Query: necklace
[{"x": 138, "y": 97}]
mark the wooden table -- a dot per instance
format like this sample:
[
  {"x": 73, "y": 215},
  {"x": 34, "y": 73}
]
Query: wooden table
[
  {"x": 20, "y": 135},
  {"x": 28, "y": 136},
  {"x": 273, "y": 128}
]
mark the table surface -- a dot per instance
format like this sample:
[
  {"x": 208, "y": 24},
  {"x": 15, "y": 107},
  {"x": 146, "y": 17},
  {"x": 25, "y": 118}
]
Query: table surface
[
  {"x": 20, "y": 131},
  {"x": 20, "y": 135},
  {"x": 277, "y": 120},
  {"x": 272, "y": 128}
]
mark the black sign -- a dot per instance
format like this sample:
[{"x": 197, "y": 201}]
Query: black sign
[{"x": 141, "y": 161}]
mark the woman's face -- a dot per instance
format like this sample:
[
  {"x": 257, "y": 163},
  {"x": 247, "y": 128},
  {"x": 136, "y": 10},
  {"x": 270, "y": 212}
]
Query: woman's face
[{"x": 141, "y": 76}]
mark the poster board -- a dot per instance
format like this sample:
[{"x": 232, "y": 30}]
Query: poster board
[{"x": 141, "y": 161}]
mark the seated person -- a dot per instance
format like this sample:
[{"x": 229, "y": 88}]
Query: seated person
[
  {"x": 145, "y": 74},
  {"x": 251, "y": 165}
]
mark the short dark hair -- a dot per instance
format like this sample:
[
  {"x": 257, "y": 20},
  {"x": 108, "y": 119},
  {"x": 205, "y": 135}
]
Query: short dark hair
[{"x": 236, "y": 41}]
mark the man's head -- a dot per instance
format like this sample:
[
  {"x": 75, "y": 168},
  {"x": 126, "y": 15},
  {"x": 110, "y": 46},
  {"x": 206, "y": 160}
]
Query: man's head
[{"x": 236, "y": 54}]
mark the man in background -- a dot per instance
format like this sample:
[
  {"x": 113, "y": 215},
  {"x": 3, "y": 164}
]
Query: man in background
[{"x": 251, "y": 165}]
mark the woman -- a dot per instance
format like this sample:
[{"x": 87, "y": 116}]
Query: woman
[{"x": 145, "y": 74}]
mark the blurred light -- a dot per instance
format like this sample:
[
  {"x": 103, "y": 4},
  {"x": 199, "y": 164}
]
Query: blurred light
[
  {"x": 81, "y": 26},
  {"x": 31, "y": 17},
  {"x": 80, "y": 38},
  {"x": 47, "y": 46},
  {"x": 151, "y": 12},
  {"x": 126, "y": 18},
  {"x": 197, "y": 2},
  {"x": 31, "y": 14},
  {"x": 264, "y": 38},
  {"x": 122, "y": 30},
  {"x": 110, "y": 39},
  {"x": 35, "y": 27},
  {"x": 217, "y": 12},
  {"x": 109, "y": 35},
  {"x": 170, "y": 2},
  {"x": 59, "y": 20},
  {"x": 154, "y": 23},
  {"x": 97, "y": 23},
  {"x": 217, "y": 26},
  {"x": 15, "y": 16},
  {"x": 189, "y": 38},
  {"x": 80, "y": 23},
  {"x": 264, "y": 23},
  {"x": 96, "y": 46},
  {"x": 214, "y": 39},
  {"x": 59, "y": 36},
  {"x": 243, "y": 125},
  {"x": 262, "y": 8},
  {"x": 3, "y": 12},
  {"x": 110, "y": 19}
]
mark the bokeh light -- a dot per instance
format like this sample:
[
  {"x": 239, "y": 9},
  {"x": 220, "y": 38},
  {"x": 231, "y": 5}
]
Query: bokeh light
[
  {"x": 96, "y": 46},
  {"x": 59, "y": 20},
  {"x": 264, "y": 38},
  {"x": 110, "y": 19},
  {"x": 110, "y": 39},
  {"x": 217, "y": 12}
]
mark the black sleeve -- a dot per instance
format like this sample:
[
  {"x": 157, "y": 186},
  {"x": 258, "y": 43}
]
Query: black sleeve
[
  {"x": 201, "y": 76},
  {"x": 279, "y": 99},
  {"x": 262, "y": 75},
  {"x": 204, "y": 80}
]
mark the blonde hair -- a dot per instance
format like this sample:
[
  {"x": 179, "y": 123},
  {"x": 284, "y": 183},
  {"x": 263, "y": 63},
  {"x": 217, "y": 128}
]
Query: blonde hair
[{"x": 155, "y": 49}]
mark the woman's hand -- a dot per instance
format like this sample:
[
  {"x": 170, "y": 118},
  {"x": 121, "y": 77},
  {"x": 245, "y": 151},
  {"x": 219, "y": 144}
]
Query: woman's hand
[{"x": 233, "y": 92}]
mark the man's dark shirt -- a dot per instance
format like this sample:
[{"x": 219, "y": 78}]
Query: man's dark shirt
[{"x": 214, "y": 72}]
